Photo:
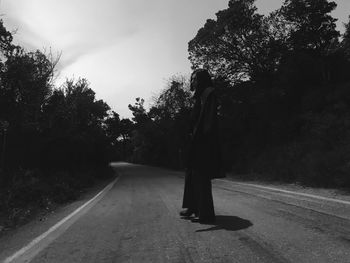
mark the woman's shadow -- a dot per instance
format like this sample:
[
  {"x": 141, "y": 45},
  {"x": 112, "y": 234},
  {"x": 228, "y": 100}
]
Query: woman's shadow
[{"x": 229, "y": 223}]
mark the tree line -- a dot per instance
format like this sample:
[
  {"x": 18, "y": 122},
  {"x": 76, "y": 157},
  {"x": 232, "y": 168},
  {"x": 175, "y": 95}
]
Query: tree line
[
  {"x": 283, "y": 82},
  {"x": 54, "y": 141}
]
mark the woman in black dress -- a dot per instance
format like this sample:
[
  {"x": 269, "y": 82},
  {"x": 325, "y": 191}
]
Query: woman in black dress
[{"x": 204, "y": 161}]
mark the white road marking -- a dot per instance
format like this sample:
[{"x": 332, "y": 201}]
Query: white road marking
[
  {"x": 290, "y": 192},
  {"x": 27, "y": 248}
]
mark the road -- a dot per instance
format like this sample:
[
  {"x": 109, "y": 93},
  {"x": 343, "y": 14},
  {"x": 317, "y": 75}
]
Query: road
[{"x": 137, "y": 221}]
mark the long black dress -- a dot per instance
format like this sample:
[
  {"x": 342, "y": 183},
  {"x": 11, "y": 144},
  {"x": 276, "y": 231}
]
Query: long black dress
[{"x": 204, "y": 162}]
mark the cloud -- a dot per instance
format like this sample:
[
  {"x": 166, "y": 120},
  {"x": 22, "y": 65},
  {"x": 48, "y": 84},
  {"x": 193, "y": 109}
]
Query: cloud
[
  {"x": 73, "y": 52},
  {"x": 75, "y": 28},
  {"x": 23, "y": 34}
]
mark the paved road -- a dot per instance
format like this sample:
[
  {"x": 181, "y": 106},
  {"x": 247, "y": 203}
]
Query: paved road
[{"x": 137, "y": 221}]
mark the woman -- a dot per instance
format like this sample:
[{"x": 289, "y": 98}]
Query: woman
[{"x": 204, "y": 162}]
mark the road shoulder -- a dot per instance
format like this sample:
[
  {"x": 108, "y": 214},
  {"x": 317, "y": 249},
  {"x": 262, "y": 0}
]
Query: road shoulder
[
  {"x": 14, "y": 239},
  {"x": 340, "y": 194}
]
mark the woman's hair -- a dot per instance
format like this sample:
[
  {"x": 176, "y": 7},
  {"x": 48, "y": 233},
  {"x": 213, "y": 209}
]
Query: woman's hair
[{"x": 203, "y": 80}]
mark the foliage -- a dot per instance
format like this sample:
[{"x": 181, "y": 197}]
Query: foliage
[
  {"x": 242, "y": 44},
  {"x": 282, "y": 81},
  {"x": 159, "y": 135},
  {"x": 233, "y": 45},
  {"x": 312, "y": 26},
  {"x": 58, "y": 140},
  {"x": 346, "y": 40}
]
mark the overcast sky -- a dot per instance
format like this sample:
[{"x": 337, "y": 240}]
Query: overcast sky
[{"x": 125, "y": 48}]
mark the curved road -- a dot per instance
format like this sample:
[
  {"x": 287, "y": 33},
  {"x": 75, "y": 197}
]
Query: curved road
[{"x": 136, "y": 220}]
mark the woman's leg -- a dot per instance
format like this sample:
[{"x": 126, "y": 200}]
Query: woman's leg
[
  {"x": 189, "y": 197},
  {"x": 203, "y": 190}
]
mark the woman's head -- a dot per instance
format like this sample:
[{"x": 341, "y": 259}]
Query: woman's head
[{"x": 200, "y": 80}]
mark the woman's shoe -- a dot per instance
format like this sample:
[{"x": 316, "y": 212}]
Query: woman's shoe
[
  {"x": 204, "y": 220},
  {"x": 187, "y": 213}
]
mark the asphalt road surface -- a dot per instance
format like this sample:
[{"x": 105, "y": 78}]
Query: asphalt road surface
[{"x": 136, "y": 220}]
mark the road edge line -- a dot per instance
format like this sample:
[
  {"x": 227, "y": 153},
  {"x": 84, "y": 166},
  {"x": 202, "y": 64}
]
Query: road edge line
[{"x": 289, "y": 192}]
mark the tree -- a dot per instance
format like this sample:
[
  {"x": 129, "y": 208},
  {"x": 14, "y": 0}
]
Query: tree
[
  {"x": 126, "y": 127},
  {"x": 139, "y": 112},
  {"x": 77, "y": 124},
  {"x": 346, "y": 40},
  {"x": 84, "y": 110},
  {"x": 55, "y": 138},
  {"x": 236, "y": 45},
  {"x": 159, "y": 134},
  {"x": 6, "y": 45},
  {"x": 313, "y": 28},
  {"x": 113, "y": 128},
  {"x": 174, "y": 99},
  {"x": 26, "y": 84}
]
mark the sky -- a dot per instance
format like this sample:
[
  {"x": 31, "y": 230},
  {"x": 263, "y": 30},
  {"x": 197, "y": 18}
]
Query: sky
[{"x": 125, "y": 48}]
